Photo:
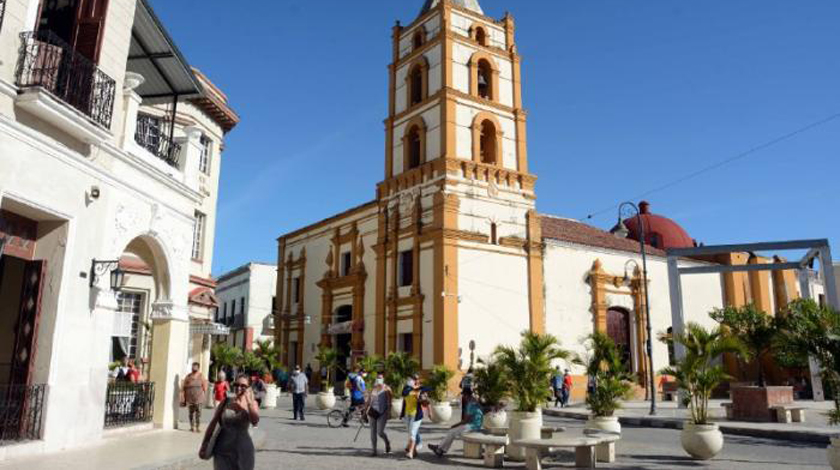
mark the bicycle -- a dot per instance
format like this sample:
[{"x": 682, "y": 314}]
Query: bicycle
[{"x": 335, "y": 418}]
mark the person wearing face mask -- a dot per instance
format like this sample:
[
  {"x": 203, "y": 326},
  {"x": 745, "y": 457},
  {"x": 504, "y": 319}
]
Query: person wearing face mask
[
  {"x": 299, "y": 386},
  {"x": 193, "y": 389},
  {"x": 357, "y": 393},
  {"x": 379, "y": 409},
  {"x": 233, "y": 448}
]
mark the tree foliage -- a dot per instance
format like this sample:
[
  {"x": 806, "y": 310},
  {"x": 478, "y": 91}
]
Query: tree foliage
[
  {"x": 528, "y": 368},
  {"x": 373, "y": 365},
  {"x": 699, "y": 372},
  {"x": 268, "y": 354},
  {"x": 808, "y": 329},
  {"x": 224, "y": 356},
  {"x": 603, "y": 362},
  {"x": 438, "y": 382},
  {"x": 755, "y": 328},
  {"x": 491, "y": 384},
  {"x": 327, "y": 359},
  {"x": 399, "y": 366}
]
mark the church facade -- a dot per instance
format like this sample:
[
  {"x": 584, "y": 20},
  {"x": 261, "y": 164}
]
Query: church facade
[{"x": 452, "y": 258}]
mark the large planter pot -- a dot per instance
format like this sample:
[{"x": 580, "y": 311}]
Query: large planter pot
[
  {"x": 523, "y": 425},
  {"x": 495, "y": 419},
  {"x": 604, "y": 423},
  {"x": 396, "y": 408},
  {"x": 271, "y": 394},
  {"x": 701, "y": 441},
  {"x": 834, "y": 453},
  {"x": 325, "y": 400},
  {"x": 441, "y": 412}
]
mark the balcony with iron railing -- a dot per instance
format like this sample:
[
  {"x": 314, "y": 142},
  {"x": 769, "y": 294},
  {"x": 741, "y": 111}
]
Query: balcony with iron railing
[
  {"x": 153, "y": 134},
  {"x": 46, "y": 62},
  {"x": 21, "y": 413}
]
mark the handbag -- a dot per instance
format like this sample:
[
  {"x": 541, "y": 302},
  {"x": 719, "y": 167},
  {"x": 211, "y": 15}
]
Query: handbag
[
  {"x": 211, "y": 436},
  {"x": 373, "y": 414}
]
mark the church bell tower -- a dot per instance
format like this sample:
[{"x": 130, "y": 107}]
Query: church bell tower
[{"x": 456, "y": 192}]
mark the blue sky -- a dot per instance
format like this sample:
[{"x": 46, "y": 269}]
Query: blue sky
[{"x": 624, "y": 96}]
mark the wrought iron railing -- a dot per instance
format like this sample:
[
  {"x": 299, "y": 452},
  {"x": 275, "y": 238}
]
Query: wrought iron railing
[
  {"x": 129, "y": 403},
  {"x": 46, "y": 61},
  {"x": 153, "y": 134},
  {"x": 21, "y": 412}
]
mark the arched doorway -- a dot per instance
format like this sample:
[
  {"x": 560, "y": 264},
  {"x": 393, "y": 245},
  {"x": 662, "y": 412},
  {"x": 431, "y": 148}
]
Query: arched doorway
[
  {"x": 618, "y": 329},
  {"x": 343, "y": 337}
]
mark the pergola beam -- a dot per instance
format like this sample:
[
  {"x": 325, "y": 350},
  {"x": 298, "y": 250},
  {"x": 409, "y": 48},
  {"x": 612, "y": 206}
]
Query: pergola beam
[
  {"x": 745, "y": 247},
  {"x": 739, "y": 268}
]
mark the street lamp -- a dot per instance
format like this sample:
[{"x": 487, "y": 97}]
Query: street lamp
[
  {"x": 117, "y": 275},
  {"x": 625, "y": 211}
]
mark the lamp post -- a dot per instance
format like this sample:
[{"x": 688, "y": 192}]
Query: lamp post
[
  {"x": 117, "y": 275},
  {"x": 620, "y": 230}
]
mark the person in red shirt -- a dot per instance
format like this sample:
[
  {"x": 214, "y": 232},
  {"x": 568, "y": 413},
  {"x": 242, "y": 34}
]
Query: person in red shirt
[
  {"x": 133, "y": 373},
  {"x": 567, "y": 388},
  {"x": 220, "y": 388}
]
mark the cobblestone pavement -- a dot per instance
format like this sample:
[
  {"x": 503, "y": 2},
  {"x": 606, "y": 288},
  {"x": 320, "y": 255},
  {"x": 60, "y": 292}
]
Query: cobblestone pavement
[{"x": 311, "y": 445}]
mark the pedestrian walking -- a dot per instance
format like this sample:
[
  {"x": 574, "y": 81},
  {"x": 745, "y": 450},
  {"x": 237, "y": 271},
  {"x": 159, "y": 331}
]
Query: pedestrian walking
[
  {"x": 220, "y": 388},
  {"x": 557, "y": 387},
  {"x": 466, "y": 386},
  {"x": 308, "y": 372},
  {"x": 299, "y": 387},
  {"x": 233, "y": 448},
  {"x": 415, "y": 406},
  {"x": 379, "y": 410},
  {"x": 258, "y": 385},
  {"x": 567, "y": 388},
  {"x": 471, "y": 421},
  {"x": 591, "y": 383},
  {"x": 193, "y": 390}
]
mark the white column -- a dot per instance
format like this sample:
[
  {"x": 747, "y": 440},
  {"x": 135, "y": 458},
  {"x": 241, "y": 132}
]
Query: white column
[
  {"x": 131, "y": 106},
  {"x": 169, "y": 352},
  {"x": 190, "y": 155}
]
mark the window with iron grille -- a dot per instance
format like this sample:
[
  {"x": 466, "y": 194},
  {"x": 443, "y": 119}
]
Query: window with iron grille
[
  {"x": 148, "y": 132},
  {"x": 131, "y": 303},
  {"x": 198, "y": 236},
  {"x": 206, "y": 154}
]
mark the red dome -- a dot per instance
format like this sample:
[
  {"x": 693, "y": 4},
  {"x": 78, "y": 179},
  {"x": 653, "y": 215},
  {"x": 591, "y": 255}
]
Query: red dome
[{"x": 660, "y": 232}]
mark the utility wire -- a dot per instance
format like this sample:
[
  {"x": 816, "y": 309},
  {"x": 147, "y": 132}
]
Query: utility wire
[{"x": 721, "y": 163}]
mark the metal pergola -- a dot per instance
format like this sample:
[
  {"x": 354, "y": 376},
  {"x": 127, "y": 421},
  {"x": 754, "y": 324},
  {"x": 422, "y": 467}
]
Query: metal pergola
[{"x": 817, "y": 249}]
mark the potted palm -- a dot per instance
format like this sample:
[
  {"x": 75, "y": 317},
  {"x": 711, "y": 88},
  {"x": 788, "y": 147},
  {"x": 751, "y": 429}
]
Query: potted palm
[
  {"x": 611, "y": 382},
  {"x": 438, "y": 382},
  {"x": 327, "y": 359},
  {"x": 808, "y": 329},
  {"x": 398, "y": 366},
  {"x": 697, "y": 375},
  {"x": 491, "y": 385},
  {"x": 528, "y": 371},
  {"x": 372, "y": 365},
  {"x": 270, "y": 356}
]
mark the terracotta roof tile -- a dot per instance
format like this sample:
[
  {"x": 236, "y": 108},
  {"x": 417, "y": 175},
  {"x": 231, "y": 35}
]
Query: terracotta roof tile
[{"x": 577, "y": 232}]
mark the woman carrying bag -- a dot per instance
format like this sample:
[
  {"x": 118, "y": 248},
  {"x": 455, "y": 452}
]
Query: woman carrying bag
[{"x": 227, "y": 439}]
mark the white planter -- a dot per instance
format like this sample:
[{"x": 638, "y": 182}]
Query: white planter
[
  {"x": 495, "y": 419},
  {"x": 396, "y": 408},
  {"x": 702, "y": 441},
  {"x": 523, "y": 425},
  {"x": 271, "y": 394},
  {"x": 834, "y": 453},
  {"x": 604, "y": 423},
  {"x": 325, "y": 400},
  {"x": 441, "y": 412}
]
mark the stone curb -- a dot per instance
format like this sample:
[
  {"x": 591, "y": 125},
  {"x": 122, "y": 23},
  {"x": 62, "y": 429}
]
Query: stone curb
[{"x": 673, "y": 423}]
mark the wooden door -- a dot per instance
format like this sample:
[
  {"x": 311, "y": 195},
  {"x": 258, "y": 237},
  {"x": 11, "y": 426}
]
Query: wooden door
[
  {"x": 26, "y": 334},
  {"x": 618, "y": 329}
]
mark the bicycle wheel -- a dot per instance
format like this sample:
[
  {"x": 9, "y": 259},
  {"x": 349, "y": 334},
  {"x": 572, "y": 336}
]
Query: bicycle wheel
[{"x": 335, "y": 418}]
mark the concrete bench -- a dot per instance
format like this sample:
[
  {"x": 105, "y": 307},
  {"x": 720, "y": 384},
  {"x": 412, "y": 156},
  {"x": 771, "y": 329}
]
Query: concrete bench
[
  {"x": 789, "y": 414},
  {"x": 494, "y": 448},
  {"x": 585, "y": 453},
  {"x": 728, "y": 407},
  {"x": 547, "y": 432}
]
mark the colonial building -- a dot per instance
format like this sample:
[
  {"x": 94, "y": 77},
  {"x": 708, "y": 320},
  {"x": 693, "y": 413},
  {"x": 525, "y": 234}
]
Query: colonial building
[
  {"x": 110, "y": 154},
  {"x": 246, "y": 301},
  {"x": 452, "y": 256}
]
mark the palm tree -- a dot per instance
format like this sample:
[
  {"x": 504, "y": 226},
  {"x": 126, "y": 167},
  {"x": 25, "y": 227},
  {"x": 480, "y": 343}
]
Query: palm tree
[
  {"x": 438, "y": 381},
  {"x": 612, "y": 380},
  {"x": 327, "y": 359},
  {"x": 698, "y": 373},
  {"x": 491, "y": 384},
  {"x": 268, "y": 353},
  {"x": 372, "y": 365},
  {"x": 398, "y": 367},
  {"x": 224, "y": 357},
  {"x": 528, "y": 368}
]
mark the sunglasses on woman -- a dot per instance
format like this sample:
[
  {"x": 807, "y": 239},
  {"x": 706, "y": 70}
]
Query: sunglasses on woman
[{"x": 240, "y": 386}]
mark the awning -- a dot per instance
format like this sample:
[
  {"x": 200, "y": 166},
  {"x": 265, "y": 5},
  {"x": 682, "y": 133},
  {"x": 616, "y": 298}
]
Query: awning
[
  {"x": 215, "y": 329},
  {"x": 346, "y": 328},
  {"x": 155, "y": 56}
]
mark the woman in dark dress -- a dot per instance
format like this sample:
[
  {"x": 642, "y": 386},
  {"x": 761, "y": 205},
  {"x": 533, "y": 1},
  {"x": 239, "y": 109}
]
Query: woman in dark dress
[{"x": 234, "y": 449}]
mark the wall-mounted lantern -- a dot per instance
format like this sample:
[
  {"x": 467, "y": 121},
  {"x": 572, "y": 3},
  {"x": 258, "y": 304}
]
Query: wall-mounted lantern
[{"x": 98, "y": 268}]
